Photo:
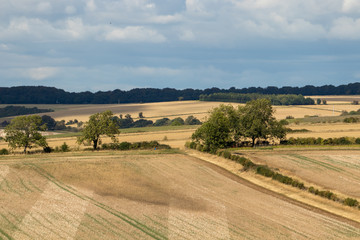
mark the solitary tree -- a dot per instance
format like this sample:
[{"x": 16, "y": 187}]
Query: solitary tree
[
  {"x": 23, "y": 132},
  {"x": 99, "y": 124}
]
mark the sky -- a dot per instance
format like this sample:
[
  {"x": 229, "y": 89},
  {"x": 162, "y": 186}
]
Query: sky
[{"x": 100, "y": 45}]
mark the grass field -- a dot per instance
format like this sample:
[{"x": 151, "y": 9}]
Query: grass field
[{"x": 145, "y": 196}]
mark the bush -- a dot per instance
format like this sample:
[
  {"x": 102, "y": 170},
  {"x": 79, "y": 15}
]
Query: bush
[
  {"x": 265, "y": 171},
  {"x": 64, "y": 147},
  {"x": 351, "y": 202},
  {"x": 191, "y": 120},
  {"x": 177, "y": 121},
  {"x": 226, "y": 154},
  {"x": 351, "y": 120},
  {"x": 137, "y": 145},
  {"x": 248, "y": 164},
  {"x": 193, "y": 145},
  {"x": 48, "y": 149},
  {"x": 199, "y": 147},
  {"x": 4, "y": 151},
  {"x": 162, "y": 122}
]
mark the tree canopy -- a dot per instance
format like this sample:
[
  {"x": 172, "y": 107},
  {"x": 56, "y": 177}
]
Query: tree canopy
[
  {"x": 51, "y": 95},
  {"x": 226, "y": 125},
  {"x": 23, "y": 132},
  {"x": 99, "y": 124}
]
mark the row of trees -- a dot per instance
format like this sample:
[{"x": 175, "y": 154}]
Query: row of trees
[
  {"x": 227, "y": 126},
  {"x": 25, "y": 131},
  {"x": 128, "y": 122},
  {"x": 50, "y": 95},
  {"x": 20, "y": 110},
  {"x": 275, "y": 99}
]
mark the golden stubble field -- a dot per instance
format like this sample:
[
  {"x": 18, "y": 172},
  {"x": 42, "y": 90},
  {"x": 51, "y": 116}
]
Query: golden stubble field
[
  {"x": 143, "y": 196},
  {"x": 140, "y": 195},
  {"x": 331, "y": 169},
  {"x": 153, "y": 111}
]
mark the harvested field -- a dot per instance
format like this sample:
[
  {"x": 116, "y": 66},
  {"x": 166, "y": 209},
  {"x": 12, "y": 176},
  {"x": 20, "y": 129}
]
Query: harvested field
[
  {"x": 112, "y": 196},
  {"x": 345, "y": 99},
  {"x": 327, "y": 130},
  {"x": 335, "y": 170},
  {"x": 182, "y": 109}
]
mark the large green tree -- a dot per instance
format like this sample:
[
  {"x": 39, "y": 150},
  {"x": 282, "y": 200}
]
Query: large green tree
[
  {"x": 227, "y": 125},
  {"x": 99, "y": 124},
  {"x": 23, "y": 132},
  {"x": 216, "y": 131},
  {"x": 258, "y": 121}
]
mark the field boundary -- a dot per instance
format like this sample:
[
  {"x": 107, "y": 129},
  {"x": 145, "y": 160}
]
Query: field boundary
[{"x": 204, "y": 158}]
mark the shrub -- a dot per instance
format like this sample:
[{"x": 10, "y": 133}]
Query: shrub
[
  {"x": 162, "y": 122},
  {"x": 351, "y": 120},
  {"x": 177, "y": 122},
  {"x": 4, "y": 151},
  {"x": 248, "y": 164},
  {"x": 265, "y": 171},
  {"x": 193, "y": 145},
  {"x": 199, "y": 147},
  {"x": 226, "y": 154},
  {"x": 219, "y": 152},
  {"x": 48, "y": 149},
  {"x": 124, "y": 146},
  {"x": 191, "y": 120},
  {"x": 351, "y": 202},
  {"x": 64, "y": 147}
]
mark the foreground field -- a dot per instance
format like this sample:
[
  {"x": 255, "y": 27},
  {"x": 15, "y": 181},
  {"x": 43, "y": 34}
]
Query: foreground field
[
  {"x": 333, "y": 169},
  {"x": 145, "y": 196}
]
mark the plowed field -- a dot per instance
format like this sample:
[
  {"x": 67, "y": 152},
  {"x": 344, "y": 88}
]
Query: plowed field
[{"x": 145, "y": 196}]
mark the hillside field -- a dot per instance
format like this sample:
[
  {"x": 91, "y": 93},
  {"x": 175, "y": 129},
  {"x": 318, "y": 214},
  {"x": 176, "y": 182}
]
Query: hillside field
[
  {"x": 175, "y": 195},
  {"x": 145, "y": 196}
]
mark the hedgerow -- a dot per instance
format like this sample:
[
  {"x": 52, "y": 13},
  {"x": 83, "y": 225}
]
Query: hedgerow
[
  {"x": 137, "y": 145},
  {"x": 267, "y": 172}
]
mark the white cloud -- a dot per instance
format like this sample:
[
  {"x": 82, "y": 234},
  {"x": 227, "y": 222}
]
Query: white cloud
[
  {"x": 70, "y": 10},
  {"x": 351, "y": 6},
  {"x": 187, "y": 35},
  {"x": 165, "y": 19},
  {"x": 42, "y": 73},
  {"x": 345, "y": 28},
  {"x": 91, "y": 6},
  {"x": 4, "y": 47},
  {"x": 134, "y": 33},
  {"x": 44, "y": 7}
]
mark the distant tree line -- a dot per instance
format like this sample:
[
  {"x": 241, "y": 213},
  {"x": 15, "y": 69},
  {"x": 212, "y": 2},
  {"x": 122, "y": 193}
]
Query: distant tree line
[
  {"x": 51, "y": 95},
  {"x": 20, "y": 110},
  {"x": 128, "y": 122},
  {"x": 275, "y": 99}
]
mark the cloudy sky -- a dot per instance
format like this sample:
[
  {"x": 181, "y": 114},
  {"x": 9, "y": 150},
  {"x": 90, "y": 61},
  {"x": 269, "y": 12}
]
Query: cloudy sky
[{"x": 81, "y": 45}]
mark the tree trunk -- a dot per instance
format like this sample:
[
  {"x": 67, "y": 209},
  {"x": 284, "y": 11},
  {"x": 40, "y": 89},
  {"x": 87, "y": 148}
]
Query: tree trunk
[
  {"x": 253, "y": 142},
  {"x": 95, "y": 144}
]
